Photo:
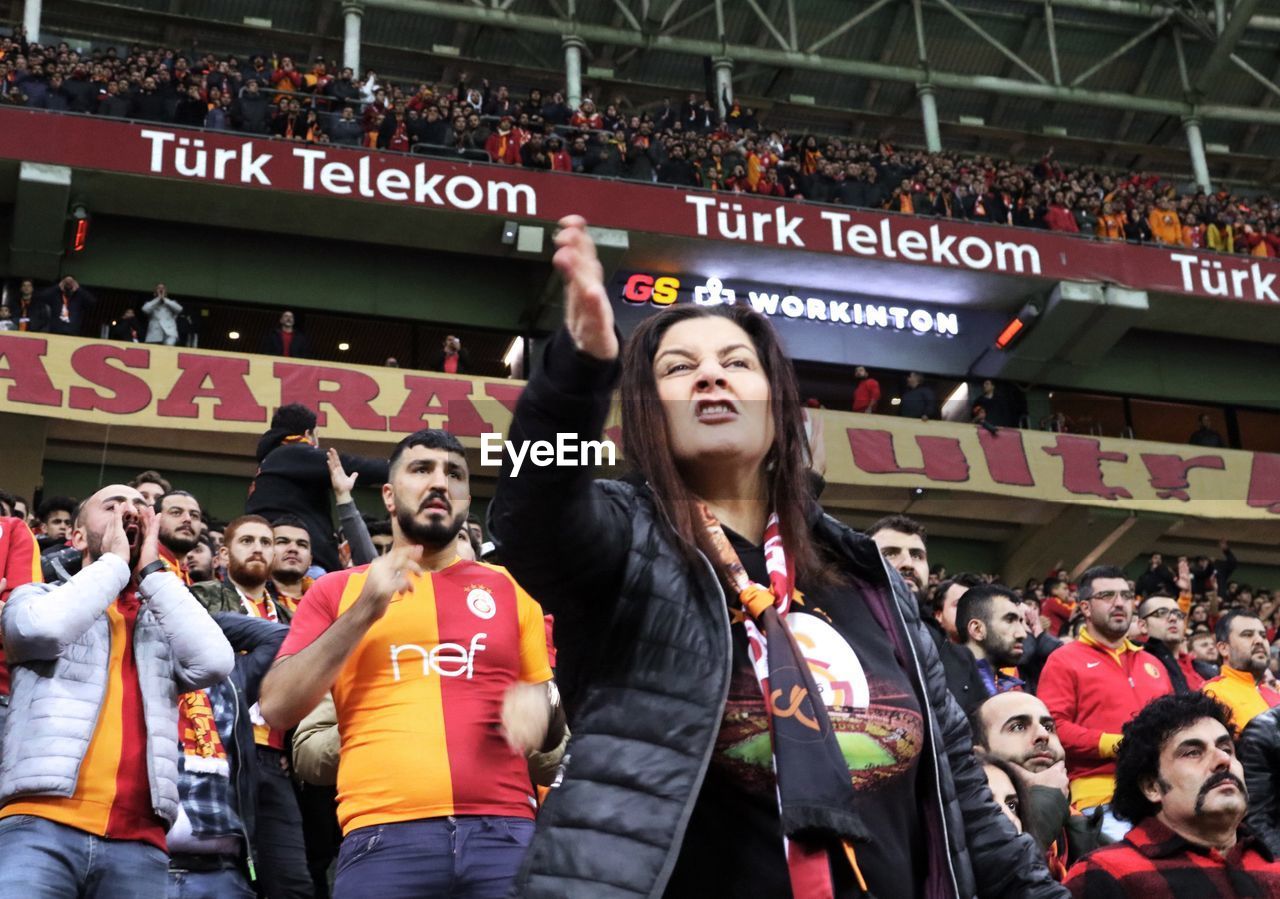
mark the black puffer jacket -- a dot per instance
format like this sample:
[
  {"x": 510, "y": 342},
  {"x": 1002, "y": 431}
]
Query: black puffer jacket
[
  {"x": 1260, "y": 755},
  {"x": 644, "y": 654}
]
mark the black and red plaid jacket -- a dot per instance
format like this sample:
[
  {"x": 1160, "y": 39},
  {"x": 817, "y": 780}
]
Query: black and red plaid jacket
[{"x": 1153, "y": 862}]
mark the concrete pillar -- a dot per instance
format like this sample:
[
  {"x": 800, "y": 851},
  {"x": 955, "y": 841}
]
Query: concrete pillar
[
  {"x": 929, "y": 112},
  {"x": 31, "y": 19},
  {"x": 573, "y": 47},
  {"x": 352, "y": 13},
  {"x": 1195, "y": 144},
  {"x": 723, "y": 67}
]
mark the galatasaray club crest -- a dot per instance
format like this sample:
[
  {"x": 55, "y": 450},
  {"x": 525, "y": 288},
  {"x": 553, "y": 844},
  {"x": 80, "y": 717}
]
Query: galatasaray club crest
[{"x": 481, "y": 603}]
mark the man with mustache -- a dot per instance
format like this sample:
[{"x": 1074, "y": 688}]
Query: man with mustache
[
  {"x": 1095, "y": 684},
  {"x": 1180, "y": 784},
  {"x": 90, "y": 787},
  {"x": 1242, "y": 642},
  {"x": 180, "y": 525},
  {"x": 247, "y": 553},
  {"x": 440, "y": 679}
]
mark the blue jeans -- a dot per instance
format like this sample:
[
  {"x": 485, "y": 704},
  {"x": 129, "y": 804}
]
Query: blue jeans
[
  {"x": 460, "y": 858},
  {"x": 43, "y": 860},
  {"x": 227, "y": 884}
]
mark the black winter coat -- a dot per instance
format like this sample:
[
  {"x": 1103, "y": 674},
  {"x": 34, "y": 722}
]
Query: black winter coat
[
  {"x": 1260, "y": 754},
  {"x": 293, "y": 479},
  {"x": 644, "y": 659}
]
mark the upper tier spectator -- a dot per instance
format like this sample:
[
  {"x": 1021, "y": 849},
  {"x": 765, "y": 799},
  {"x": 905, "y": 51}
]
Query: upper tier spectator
[
  {"x": 66, "y": 304},
  {"x": 1205, "y": 435},
  {"x": 286, "y": 340},
  {"x": 919, "y": 401},
  {"x": 866, "y": 395},
  {"x": 162, "y": 313}
]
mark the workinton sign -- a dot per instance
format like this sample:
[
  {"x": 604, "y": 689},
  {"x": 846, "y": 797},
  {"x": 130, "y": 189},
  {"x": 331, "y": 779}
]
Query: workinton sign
[{"x": 641, "y": 288}]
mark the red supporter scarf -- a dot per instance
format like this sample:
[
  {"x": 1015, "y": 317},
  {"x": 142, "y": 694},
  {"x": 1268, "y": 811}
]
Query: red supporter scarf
[{"x": 815, "y": 790}]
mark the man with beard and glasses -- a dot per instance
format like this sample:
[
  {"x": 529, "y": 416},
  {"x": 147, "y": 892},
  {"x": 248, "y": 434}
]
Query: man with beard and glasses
[
  {"x": 290, "y": 563},
  {"x": 441, "y": 683},
  {"x": 1180, "y": 784},
  {"x": 180, "y": 526},
  {"x": 248, "y": 552},
  {"x": 995, "y": 631},
  {"x": 1018, "y": 728},
  {"x": 1095, "y": 684},
  {"x": 1164, "y": 624},
  {"x": 89, "y": 783},
  {"x": 1242, "y": 642}
]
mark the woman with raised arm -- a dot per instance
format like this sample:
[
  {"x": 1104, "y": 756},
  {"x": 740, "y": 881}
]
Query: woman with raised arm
[{"x": 757, "y": 710}]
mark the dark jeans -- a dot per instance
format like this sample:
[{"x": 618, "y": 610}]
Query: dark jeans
[
  {"x": 459, "y": 858},
  {"x": 321, "y": 832},
  {"x": 281, "y": 855},
  {"x": 43, "y": 860}
]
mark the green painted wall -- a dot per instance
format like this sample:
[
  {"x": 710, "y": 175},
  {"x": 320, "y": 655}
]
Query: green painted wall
[{"x": 284, "y": 270}]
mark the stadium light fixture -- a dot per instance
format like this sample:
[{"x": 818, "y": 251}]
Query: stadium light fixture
[{"x": 1017, "y": 326}]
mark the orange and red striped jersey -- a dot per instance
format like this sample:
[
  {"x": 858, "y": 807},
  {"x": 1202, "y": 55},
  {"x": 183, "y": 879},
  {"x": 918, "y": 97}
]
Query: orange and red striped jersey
[
  {"x": 19, "y": 564},
  {"x": 113, "y": 795},
  {"x": 419, "y": 701}
]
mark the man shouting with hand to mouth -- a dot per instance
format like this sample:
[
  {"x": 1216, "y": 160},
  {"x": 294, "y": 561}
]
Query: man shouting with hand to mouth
[
  {"x": 89, "y": 788},
  {"x": 438, "y": 668}
]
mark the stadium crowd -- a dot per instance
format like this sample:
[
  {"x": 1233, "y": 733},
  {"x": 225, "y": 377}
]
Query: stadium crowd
[
  {"x": 679, "y": 143},
  {"x": 1110, "y": 715}
]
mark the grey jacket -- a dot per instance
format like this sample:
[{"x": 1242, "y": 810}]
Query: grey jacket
[{"x": 58, "y": 642}]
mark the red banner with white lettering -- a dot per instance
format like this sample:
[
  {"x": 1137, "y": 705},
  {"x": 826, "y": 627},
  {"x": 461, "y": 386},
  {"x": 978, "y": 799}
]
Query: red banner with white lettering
[{"x": 260, "y": 163}]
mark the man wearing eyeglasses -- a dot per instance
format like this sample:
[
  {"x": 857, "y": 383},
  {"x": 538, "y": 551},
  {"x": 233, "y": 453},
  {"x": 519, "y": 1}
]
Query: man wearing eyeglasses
[
  {"x": 1242, "y": 642},
  {"x": 1164, "y": 624},
  {"x": 1094, "y": 685}
]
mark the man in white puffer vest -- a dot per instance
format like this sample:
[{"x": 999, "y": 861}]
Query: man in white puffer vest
[{"x": 88, "y": 781}]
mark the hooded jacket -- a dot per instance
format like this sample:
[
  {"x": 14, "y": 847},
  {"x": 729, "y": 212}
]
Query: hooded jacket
[
  {"x": 293, "y": 479},
  {"x": 644, "y": 656}
]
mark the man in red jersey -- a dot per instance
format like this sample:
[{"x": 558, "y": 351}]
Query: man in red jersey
[
  {"x": 1094, "y": 685},
  {"x": 19, "y": 564},
  {"x": 438, "y": 668}
]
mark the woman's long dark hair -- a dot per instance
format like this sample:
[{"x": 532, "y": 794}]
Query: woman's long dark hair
[{"x": 648, "y": 440}]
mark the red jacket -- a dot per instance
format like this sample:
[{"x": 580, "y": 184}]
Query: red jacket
[
  {"x": 504, "y": 148},
  {"x": 1059, "y": 218},
  {"x": 1058, "y": 613},
  {"x": 866, "y": 395},
  {"x": 19, "y": 564},
  {"x": 1091, "y": 692}
]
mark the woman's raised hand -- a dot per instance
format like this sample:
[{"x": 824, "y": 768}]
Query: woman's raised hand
[{"x": 587, "y": 312}]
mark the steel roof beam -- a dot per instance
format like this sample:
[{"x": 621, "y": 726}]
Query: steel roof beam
[{"x": 813, "y": 62}]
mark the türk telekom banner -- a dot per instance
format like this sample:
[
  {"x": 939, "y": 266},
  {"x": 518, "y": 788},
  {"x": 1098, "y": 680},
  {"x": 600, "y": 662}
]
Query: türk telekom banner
[
  {"x": 87, "y": 142},
  {"x": 154, "y": 386}
]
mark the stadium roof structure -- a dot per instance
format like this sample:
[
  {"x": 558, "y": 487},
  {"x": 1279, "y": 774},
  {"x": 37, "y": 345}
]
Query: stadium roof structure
[{"x": 1103, "y": 81}]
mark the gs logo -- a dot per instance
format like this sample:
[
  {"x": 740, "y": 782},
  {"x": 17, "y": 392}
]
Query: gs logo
[{"x": 642, "y": 288}]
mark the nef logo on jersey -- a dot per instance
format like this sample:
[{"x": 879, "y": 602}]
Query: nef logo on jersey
[
  {"x": 445, "y": 659},
  {"x": 481, "y": 603}
]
